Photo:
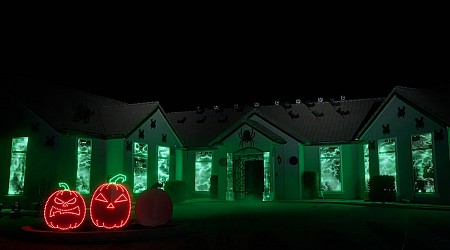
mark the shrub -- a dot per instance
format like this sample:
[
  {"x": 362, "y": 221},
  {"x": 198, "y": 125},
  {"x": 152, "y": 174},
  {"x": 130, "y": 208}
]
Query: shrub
[
  {"x": 177, "y": 190},
  {"x": 382, "y": 188},
  {"x": 310, "y": 185}
]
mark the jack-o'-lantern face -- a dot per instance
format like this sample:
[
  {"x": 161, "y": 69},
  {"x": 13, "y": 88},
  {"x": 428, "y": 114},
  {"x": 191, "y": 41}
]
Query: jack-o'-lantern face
[
  {"x": 65, "y": 209},
  {"x": 110, "y": 206}
]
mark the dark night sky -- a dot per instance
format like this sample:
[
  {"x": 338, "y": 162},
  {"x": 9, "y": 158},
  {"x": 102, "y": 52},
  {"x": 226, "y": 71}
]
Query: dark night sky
[
  {"x": 186, "y": 88},
  {"x": 190, "y": 64},
  {"x": 199, "y": 79}
]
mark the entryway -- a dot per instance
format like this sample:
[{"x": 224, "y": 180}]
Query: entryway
[
  {"x": 254, "y": 179},
  {"x": 248, "y": 176}
]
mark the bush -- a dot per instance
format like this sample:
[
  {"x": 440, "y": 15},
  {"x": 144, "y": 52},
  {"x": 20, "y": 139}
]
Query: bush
[
  {"x": 177, "y": 190},
  {"x": 382, "y": 188},
  {"x": 310, "y": 185}
]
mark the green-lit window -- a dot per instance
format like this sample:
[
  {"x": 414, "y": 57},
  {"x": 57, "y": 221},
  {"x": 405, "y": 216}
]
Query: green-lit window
[
  {"x": 203, "y": 165},
  {"x": 422, "y": 159},
  {"x": 18, "y": 165},
  {"x": 366, "y": 165},
  {"x": 230, "y": 180},
  {"x": 163, "y": 164},
  {"x": 84, "y": 155},
  {"x": 330, "y": 168},
  {"x": 268, "y": 193},
  {"x": 140, "y": 154},
  {"x": 387, "y": 157}
]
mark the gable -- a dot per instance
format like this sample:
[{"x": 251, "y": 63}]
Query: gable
[
  {"x": 399, "y": 118},
  {"x": 156, "y": 129},
  {"x": 248, "y": 134}
]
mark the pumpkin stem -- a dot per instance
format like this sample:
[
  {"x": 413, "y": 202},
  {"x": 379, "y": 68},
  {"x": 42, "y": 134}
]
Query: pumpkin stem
[
  {"x": 64, "y": 185},
  {"x": 117, "y": 177}
]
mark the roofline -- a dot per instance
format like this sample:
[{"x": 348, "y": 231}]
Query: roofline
[
  {"x": 245, "y": 120},
  {"x": 404, "y": 99},
  {"x": 261, "y": 115}
]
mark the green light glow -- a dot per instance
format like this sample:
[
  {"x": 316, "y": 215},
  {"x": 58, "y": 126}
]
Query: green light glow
[
  {"x": 229, "y": 194},
  {"x": 140, "y": 152},
  {"x": 422, "y": 158},
  {"x": 387, "y": 158},
  {"x": 203, "y": 164},
  {"x": 18, "y": 165},
  {"x": 84, "y": 166},
  {"x": 366, "y": 165},
  {"x": 163, "y": 164},
  {"x": 64, "y": 185},
  {"x": 118, "y": 177},
  {"x": 330, "y": 168},
  {"x": 267, "y": 195}
]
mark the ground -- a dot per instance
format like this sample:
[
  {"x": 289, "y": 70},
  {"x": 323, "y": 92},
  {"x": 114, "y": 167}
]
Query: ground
[{"x": 213, "y": 224}]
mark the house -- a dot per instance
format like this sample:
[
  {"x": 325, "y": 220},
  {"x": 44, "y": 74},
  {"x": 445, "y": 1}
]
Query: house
[
  {"x": 51, "y": 134},
  {"x": 261, "y": 152},
  {"x": 407, "y": 137}
]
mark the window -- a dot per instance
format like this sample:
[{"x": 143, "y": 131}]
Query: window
[
  {"x": 422, "y": 159},
  {"x": 18, "y": 165},
  {"x": 267, "y": 195},
  {"x": 84, "y": 154},
  {"x": 366, "y": 165},
  {"x": 203, "y": 164},
  {"x": 330, "y": 168},
  {"x": 163, "y": 164},
  {"x": 140, "y": 154},
  {"x": 387, "y": 157}
]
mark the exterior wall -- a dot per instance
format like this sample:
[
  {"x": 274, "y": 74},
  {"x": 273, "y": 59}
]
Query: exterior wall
[
  {"x": 352, "y": 170},
  {"x": 402, "y": 128},
  {"x": 282, "y": 176},
  {"x": 50, "y": 165},
  {"x": 287, "y": 175},
  {"x": 115, "y": 162},
  {"x": 42, "y": 161},
  {"x": 311, "y": 159},
  {"x": 301, "y": 167},
  {"x": 188, "y": 171},
  {"x": 180, "y": 154},
  {"x": 111, "y": 157},
  {"x": 156, "y": 132},
  {"x": 442, "y": 171}
]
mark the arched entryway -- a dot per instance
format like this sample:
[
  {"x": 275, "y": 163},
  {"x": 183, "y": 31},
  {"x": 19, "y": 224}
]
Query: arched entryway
[{"x": 248, "y": 175}]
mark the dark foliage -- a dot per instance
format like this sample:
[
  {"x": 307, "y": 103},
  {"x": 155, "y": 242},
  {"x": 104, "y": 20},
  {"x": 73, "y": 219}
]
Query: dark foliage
[
  {"x": 382, "y": 188},
  {"x": 177, "y": 190},
  {"x": 310, "y": 185}
]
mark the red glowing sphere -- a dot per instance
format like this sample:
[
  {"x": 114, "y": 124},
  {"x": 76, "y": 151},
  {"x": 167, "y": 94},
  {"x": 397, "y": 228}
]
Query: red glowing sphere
[{"x": 154, "y": 207}]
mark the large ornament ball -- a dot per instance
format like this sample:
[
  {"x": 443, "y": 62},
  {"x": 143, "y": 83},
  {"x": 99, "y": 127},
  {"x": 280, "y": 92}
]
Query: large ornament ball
[{"x": 154, "y": 207}]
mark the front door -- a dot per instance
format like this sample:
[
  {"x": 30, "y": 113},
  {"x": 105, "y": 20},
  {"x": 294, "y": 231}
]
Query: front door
[{"x": 254, "y": 179}]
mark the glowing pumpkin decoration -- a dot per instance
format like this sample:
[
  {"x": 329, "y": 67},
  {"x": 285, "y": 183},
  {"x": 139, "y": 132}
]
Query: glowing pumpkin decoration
[
  {"x": 111, "y": 204},
  {"x": 64, "y": 209}
]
